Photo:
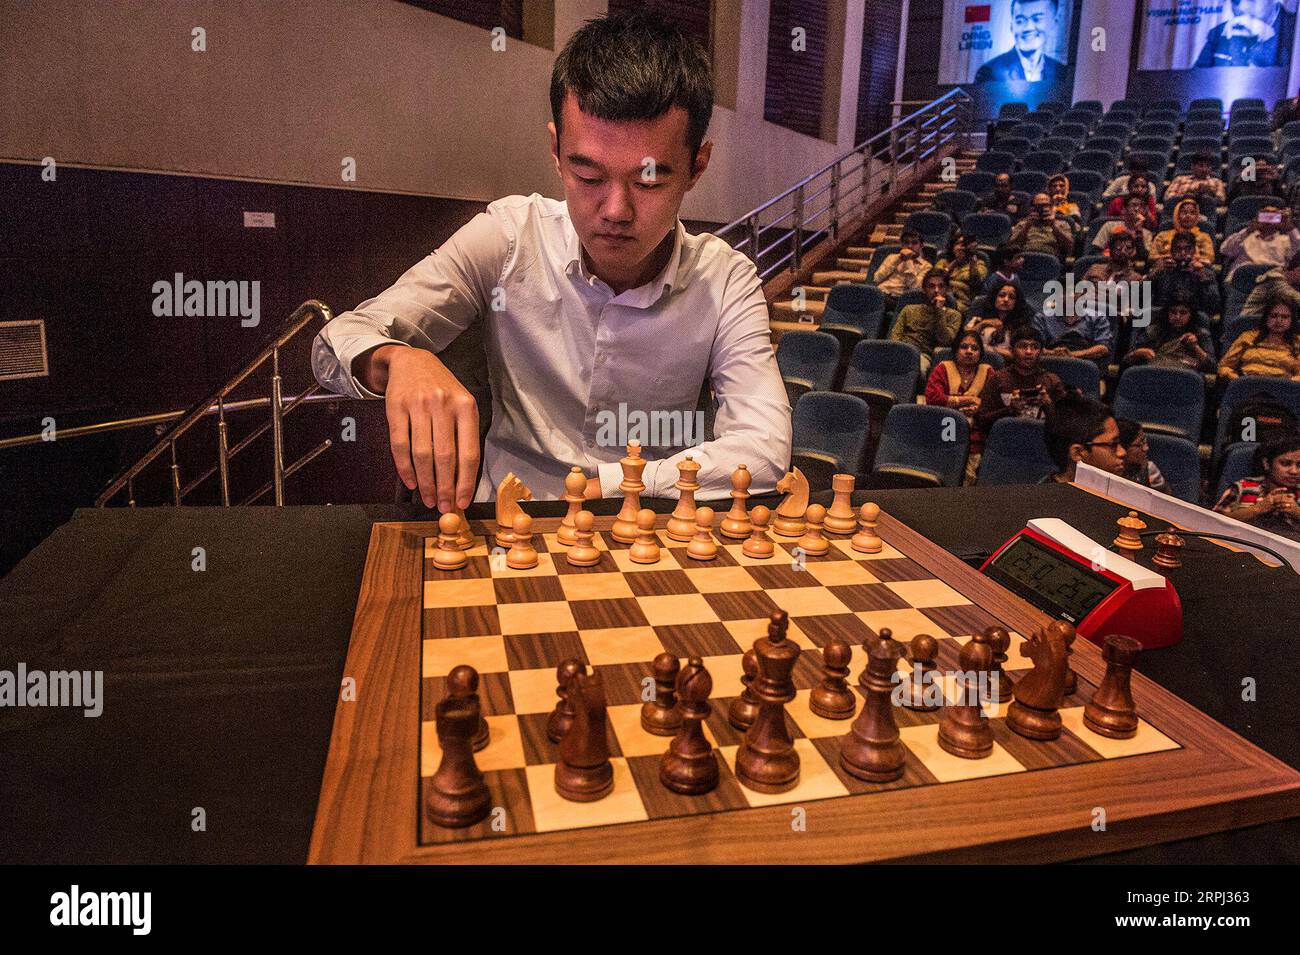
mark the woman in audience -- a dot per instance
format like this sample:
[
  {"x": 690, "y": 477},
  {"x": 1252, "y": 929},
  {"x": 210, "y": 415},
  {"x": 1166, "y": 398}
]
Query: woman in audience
[
  {"x": 1058, "y": 187},
  {"x": 1137, "y": 466},
  {"x": 957, "y": 383},
  {"x": 1269, "y": 500},
  {"x": 1270, "y": 349},
  {"x": 1187, "y": 216},
  {"x": 1174, "y": 337},
  {"x": 998, "y": 314},
  {"x": 966, "y": 270}
]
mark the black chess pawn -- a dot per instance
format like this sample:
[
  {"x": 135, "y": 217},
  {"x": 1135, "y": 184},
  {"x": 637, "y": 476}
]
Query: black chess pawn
[
  {"x": 832, "y": 699},
  {"x": 584, "y": 772},
  {"x": 1111, "y": 712},
  {"x": 562, "y": 716},
  {"x": 744, "y": 708},
  {"x": 458, "y": 795},
  {"x": 661, "y": 715},
  {"x": 1000, "y": 689},
  {"x": 963, "y": 728},
  {"x": 873, "y": 749},
  {"x": 462, "y": 682},
  {"x": 690, "y": 766},
  {"x": 924, "y": 692}
]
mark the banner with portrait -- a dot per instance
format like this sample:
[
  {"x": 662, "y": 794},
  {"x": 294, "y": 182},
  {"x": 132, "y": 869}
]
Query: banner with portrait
[
  {"x": 1006, "y": 41},
  {"x": 1206, "y": 34}
]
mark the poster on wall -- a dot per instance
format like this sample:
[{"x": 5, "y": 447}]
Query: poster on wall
[
  {"x": 1211, "y": 34},
  {"x": 1005, "y": 41}
]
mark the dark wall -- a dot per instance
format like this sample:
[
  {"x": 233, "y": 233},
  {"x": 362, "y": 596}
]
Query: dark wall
[{"x": 881, "y": 28}]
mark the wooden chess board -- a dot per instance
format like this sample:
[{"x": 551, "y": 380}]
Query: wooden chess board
[{"x": 1182, "y": 775}]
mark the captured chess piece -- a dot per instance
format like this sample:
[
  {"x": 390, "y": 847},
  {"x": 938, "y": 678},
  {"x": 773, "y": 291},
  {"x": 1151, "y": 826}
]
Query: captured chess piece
[
  {"x": 448, "y": 555},
  {"x": 1130, "y": 527},
  {"x": 690, "y": 766},
  {"x": 813, "y": 543},
  {"x": 561, "y": 718},
  {"x": 457, "y": 796},
  {"x": 767, "y": 761},
  {"x": 1035, "y": 711},
  {"x": 832, "y": 699},
  {"x": 702, "y": 545},
  {"x": 924, "y": 693},
  {"x": 866, "y": 540},
  {"x": 510, "y": 492},
  {"x": 462, "y": 683},
  {"x": 840, "y": 517},
  {"x": 872, "y": 749},
  {"x": 759, "y": 545},
  {"x": 584, "y": 553},
  {"x": 999, "y": 682},
  {"x": 1111, "y": 712},
  {"x": 789, "y": 520},
  {"x": 646, "y": 548},
  {"x": 681, "y": 525},
  {"x": 744, "y": 708},
  {"x": 624, "y": 528},
  {"x": 964, "y": 730},
  {"x": 736, "y": 524},
  {"x": 522, "y": 554},
  {"x": 584, "y": 772},
  {"x": 575, "y": 492},
  {"x": 661, "y": 715},
  {"x": 1169, "y": 547}
]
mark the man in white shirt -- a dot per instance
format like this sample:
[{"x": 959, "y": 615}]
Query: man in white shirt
[
  {"x": 603, "y": 317},
  {"x": 1270, "y": 239}
]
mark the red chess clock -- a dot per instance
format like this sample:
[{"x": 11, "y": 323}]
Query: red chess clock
[{"x": 1072, "y": 577}]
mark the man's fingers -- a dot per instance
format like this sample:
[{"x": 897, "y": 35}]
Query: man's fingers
[
  {"x": 444, "y": 454},
  {"x": 466, "y": 450},
  {"x": 399, "y": 441},
  {"x": 422, "y": 456}
]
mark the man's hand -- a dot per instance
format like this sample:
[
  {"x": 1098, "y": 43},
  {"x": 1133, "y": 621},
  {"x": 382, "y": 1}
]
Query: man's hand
[{"x": 432, "y": 423}]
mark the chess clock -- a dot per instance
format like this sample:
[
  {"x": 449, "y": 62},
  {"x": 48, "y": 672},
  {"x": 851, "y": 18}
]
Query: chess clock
[{"x": 1071, "y": 577}]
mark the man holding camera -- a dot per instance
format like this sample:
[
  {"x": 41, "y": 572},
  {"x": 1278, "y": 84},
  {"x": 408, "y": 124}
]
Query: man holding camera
[
  {"x": 1042, "y": 231},
  {"x": 1269, "y": 239}
]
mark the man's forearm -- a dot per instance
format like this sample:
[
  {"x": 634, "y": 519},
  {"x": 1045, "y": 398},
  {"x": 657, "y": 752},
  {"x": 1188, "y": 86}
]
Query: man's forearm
[{"x": 371, "y": 367}]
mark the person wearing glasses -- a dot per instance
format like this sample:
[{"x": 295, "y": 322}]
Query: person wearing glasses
[
  {"x": 1138, "y": 467},
  {"x": 1083, "y": 430}
]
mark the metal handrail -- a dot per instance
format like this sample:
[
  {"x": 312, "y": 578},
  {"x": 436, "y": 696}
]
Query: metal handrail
[
  {"x": 889, "y": 161},
  {"x": 302, "y": 316}
]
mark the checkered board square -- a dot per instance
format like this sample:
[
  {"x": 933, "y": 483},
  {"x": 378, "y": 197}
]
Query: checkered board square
[{"x": 516, "y": 626}]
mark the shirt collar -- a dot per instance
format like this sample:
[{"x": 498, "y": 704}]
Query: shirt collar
[{"x": 643, "y": 296}]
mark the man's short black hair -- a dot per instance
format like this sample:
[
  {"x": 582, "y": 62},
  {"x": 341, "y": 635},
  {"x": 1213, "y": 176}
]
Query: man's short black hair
[
  {"x": 909, "y": 235},
  {"x": 1026, "y": 333},
  {"x": 1183, "y": 238},
  {"x": 1203, "y": 156},
  {"x": 635, "y": 66},
  {"x": 1073, "y": 421},
  {"x": 941, "y": 274}
]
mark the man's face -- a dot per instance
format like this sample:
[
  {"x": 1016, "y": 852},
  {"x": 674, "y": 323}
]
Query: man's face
[
  {"x": 1186, "y": 216},
  {"x": 1042, "y": 205},
  {"x": 1134, "y": 209},
  {"x": 1182, "y": 252},
  {"x": 1104, "y": 451},
  {"x": 914, "y": 244},
  {"x": 1033, "y": 23},
  {"x": 625, "y": 182},
  {"x": 1259, "y": 9},
  {"x": 935, "y": 287},
  {"x": 1122, "y": 251},
  {"x": 1002, "y": 184},
  {"x": 1201, "y": 170},
  {"x": 1026, "y": 352}
]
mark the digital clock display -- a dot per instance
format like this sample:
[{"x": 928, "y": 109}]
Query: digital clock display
[{"x": 1052, "y": 582}]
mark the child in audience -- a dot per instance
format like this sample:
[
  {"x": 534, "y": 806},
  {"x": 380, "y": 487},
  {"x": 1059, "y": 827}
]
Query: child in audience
[
  {"x": 930, "y": 324},
  {"x": 1176, "y": 338},
  {"x": 1139, "y": 468},
  {"x": 957, "y": 383},
  {"x": 1023, "y": 388},
  {"x": 1120, "y": 184},
  {"x": 1083, "y": 430},
  {"x": 1058, "y": 187},
  {"x": 1187, "y": 215},
  {"x": 997, "y": 317},
  {"x": 967, "y": 272},
  {"x": 1270, "y": 349},
  {"x": 1008, "y": 263},
  {"x": 1183, "y": 275},
  {"x": 1140, "y": 189},
  {"x": 902, "y": 270},
  {"x": 1133, "y": 222},
  {"x": 1269, "y": 500}
]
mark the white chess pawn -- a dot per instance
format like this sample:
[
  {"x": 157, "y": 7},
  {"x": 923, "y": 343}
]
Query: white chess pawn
[
  {"x": 813, "y": 543},
  {"x": 646, "y": 548},
  {"x": 759, "y": 545},
  {"x": 522, "y": 554},
  {"x": 865, "y": 541},
  {"x": 583, "y": 553},
  {"x": 702, "y": 545},
  {"x": 449, "y": 555}
]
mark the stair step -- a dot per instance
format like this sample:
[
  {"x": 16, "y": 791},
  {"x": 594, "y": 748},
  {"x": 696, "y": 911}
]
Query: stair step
[
  {"x": 838, "y": 275},
  {"x": 853, "y": 265}
]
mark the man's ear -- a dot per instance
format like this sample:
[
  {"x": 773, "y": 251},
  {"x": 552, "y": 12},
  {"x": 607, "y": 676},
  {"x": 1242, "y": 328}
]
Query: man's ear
[
  {"x": 1077, "y": 451},
  {"x": 701, "y": 163},
  {"x": 555, "y": 147}
]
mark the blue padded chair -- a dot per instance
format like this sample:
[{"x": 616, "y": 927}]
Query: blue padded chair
[
  {"x": 922, "y": 445},
  {"x": 1203, "y": 130},
  {"x": 1232, "y": 328},
  {"x": 1031, "y": 131},
  {"x": 1290, "y": 131},
  {"x": 956, "y": 202},
  {"x": 1088, "y": 181},
  {"x": 831, "y": 426},
  {"x": 1083, "y": 117},
  {"x": 1174, "y": 116},
  {"x": 995, "y": 162},
  {"x": 1075, "y": 373},
  {"x": 1120, "y": 131},
  {"x": 1238, "y": 289},
  {"x": 1206, "y": 102},
  {"x": 1247, "y": 102},
  {"x": 1091, "y": 105},
  {"x": 808, "y": 362},
  {"x": 1157, "y": 163},
  {"x": 1238, "y": 462},
  {"x": 882, "y": 252},
  {"x": 1029, "y": 181},
  {"x": 1241, "y": 390},
  {"x": 1106, "y": 144},
  {"x": 1164, "y": 105},
  {"x": 1044, "y": 161},
  {"x": 1084, "y": 262},
  {"x": 1012, "y": 110},
  {"x": 1244, "y": 208},
  {"x": 883, "y": 371},
  {"x": 1242, "y": 130},
  {"x": 977, "y": 181},
  {"x": 1016, "y": 145},
  {"x": 1162, "y": 399},
  {"x": 1040, "y": 268},
  {"x": 1015, "y": 452},
  {"x": 853, "y": 312},
  {"x": 1191, "y": 145},
  {"x": 1258, "y": 146},
  {"x": 1075, "y": 132},
  {"x": 987, "y": 228},
  {"x": 1165, "y": 130},
  {"x": 935, "y": 227},
  {"x": 1152, "y": 144},
  {"x": 1094, "y": 160},
  {"x": 1041, "y": 117},
  {"x": 1204, "y": 116},
  {"x": 1057, "y": 144},
  {"x": 1053, "y": 106},
  {"x": 1180, "y": 463},
  {"x": 1134, "y": 106}
]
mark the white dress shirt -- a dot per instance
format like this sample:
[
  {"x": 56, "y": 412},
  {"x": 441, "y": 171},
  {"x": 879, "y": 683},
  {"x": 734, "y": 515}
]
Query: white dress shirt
[{"x": 564, "y": 351}]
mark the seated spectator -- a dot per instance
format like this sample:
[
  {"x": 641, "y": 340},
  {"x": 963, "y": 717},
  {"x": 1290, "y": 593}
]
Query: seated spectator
[
  {"x": 1041, "y": 231},
  {"x": 1008, "y": 263},
  {"x": 902, "y": 270},
  {"x": 1118, "y": 267},
  {"x": 1270, "y": 349},
  {"x": 1119, "y": 186},
  {"x": 1133, "y": 222},
  {"x": 1078, "y": 333},
  {"x": 1003, "y": 199},
  {"x": 1281, "y": 283},
  {"x": 998, "y": 316},
  {"x": 1268, "y": 501},
  {"x": 957, "y": 383},
  {"x": 1058, "y": 187},
  {"x": 1266, "y": 180},
  {"x": 1092, "y": 295},
  {"x": 1174, "y": 337},
  {"x": 1137, "y": 186},
  {"x": 966, "y": 270},
  {"x": 1083, "y": 430},
  {"x": 1183, "y": 274},
  {"x": 1138, "y": 467},
  {"x": 1187, "y": 216},
  {"x": 1270, "y": 239},
  {"x": 1023, "y": 388},
  {"x": 1199, "y": 182},
  {"x": 931, "y": 324}
]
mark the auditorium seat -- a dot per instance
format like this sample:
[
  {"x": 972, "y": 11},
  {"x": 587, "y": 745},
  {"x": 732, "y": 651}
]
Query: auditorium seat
[
  {"x": 1206, "y": 102},
  {"x": 808, "y": 362},
  {"x": 1249, "y": 131},
  {"x": 1094, "y": 160},
  {"x": 833, "y": 425},
  {"x": 1248, "y": 116},
  {"x": 1029, "y": 181},
  {"x": 1044, "y": 161},
  {"x": 1128, "y": 117},
  {"x": 1162, "y": 399},
  {"x": 1155, "y": 144},
  {"x": 853, "y": 312},
  {"x": 935, "y": 227},
  {"x": 1091, "y": 105},
  {"x": 1106, "y": 144},
  {"x": 1164, "y": 104},
  {"x": 883, "y": 372},
  {"x": 1089, "y": 181},
  {"x": 1031, "y": 131},
  {"x": 1290, "y": 131},
  {"x": 991, "y": 358},
  {"x": 995, "y": 162},
  {"x": 1174, "y": 116},
  {"x": 1015, "y": 452},
  {"x": 1085, "y": 262},
  {"x": 1238, "y": 462},
  {"x": 1180, "y": 463},
  {"x": 1149, "y": 128},
  {"x": 1053, "y": 106},
  {"x": 1081, "y": 116},
  {"x": 987, "y": 228},
  {"x": 1238, "y": 288},
  {"x": 1012, "y": 110},
  {"x": 976, "y": 181},
  {"x": 1157, "y": 163},
  {"x": 1241, "y": 390},
  {"x": 1195, "y": 144},
  {"x": 1259, "y": 147},
  {"x": 1129, "y": 105},
  {"x": 1075, "y": 132},
  {"x": 956, "y": 202},
  {"x": 1243, "y": 209},
  {"x": 1212, "y": 131},
  {"x": 1075, "y": 373},
  {"x": 921, "y": 445},
  {"x": 1119, "y": 131},
  {"x": 1041, "y": 117},
  {"x": 1059, "y": 144},
  {"x": 1018, "y": 146}
]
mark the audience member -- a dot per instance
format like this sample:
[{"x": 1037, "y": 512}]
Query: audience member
[
  {"x": 1023, "y": 388},
  {"x": 957, "y": 383},
  {"x": 1003, "y": 199},
  {"x": 931, "y": 324},
  {"x": 1083, "y": 430},
  {"x": 1187, "y": 216},
  {"x": 1270, "y": 349},
  {"x": 1008, "y": 263},
  {"x": 1138, "y": 467},
  {"x": 998, "y": 315},
  {"x": 1078, "y": 332},
  {"x": 1133, "y": 222},
  {"x": 1269, "y": 239},
  {"x": 1137, "y": 187},
  {"x": 902, "y": 270},
  {"x": 1120, "y": 184},
  {"x": 1041, "y": 231},
  {"x": 967, "y": 271},
  {"x": 1265, "y": 180},
  {"x": 1174, "y": 337},
  {"x": 1268, "y": 501},
  {"x": 1066, "y": 209},
  {"x": 1199, "y": 182},
  {"x": 1281, "y": 283},
  {"x": 1182, "y": 274}
]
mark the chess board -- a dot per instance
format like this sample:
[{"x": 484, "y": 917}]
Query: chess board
[{"x": 1182, "y": 774}]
